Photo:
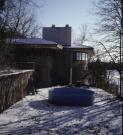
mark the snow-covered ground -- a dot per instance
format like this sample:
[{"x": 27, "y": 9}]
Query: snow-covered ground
[{"x": 33, "y": 115}]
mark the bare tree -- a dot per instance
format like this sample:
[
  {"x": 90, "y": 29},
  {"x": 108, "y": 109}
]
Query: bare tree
[
  {"x": 17, "y": 19},
  {"x": 83, "y": 36},
  {"x": 109, "y": 24},
  {"x": 109, "y": 14}
]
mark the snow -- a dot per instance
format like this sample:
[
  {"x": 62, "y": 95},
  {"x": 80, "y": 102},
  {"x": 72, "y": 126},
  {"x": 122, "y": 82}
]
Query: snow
[
  {"x": 33, "y": 115},
  {"x": 33, "y": 41},
  {"x": 79, "y": 46},
  {"x": 12, "y": 72},
  {"x": 40, "y": 41}
]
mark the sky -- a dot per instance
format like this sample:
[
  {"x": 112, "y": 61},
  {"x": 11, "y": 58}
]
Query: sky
[
  {"x": 61, "y": 12},
  {"x": 76, "y": 13}
]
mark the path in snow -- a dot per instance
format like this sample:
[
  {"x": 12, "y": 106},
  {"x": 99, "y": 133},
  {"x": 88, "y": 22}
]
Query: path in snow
[{"x": 34, "y": 115}]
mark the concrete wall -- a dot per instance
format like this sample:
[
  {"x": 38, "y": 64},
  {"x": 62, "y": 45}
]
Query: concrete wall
[
  {"x": 13, "y": 87},
  {"x": 61, "y": 35}
]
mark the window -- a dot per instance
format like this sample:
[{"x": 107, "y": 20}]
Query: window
[{"x": 79, "y": 56}]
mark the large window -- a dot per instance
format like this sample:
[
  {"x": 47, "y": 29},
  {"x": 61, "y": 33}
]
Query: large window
[{"x": 79, "y": 56}]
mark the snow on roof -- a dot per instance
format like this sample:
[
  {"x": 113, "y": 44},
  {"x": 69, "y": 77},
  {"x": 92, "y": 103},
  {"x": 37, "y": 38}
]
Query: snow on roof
[
  {"x": 39, "y": 41},
  {"x": 79, "y": 46},
  {"x": 34, "y": 41}
]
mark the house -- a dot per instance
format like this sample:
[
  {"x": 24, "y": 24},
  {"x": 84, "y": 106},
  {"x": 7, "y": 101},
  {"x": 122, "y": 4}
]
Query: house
[{"x": 56, "y": 59}]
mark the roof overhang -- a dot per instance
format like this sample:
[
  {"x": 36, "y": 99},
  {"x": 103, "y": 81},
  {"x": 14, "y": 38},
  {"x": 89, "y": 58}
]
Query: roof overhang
[
  {"x": 35, "y": 43},
  {"x": 83, "y": 49},
  {"x": 51, "y": 46}
]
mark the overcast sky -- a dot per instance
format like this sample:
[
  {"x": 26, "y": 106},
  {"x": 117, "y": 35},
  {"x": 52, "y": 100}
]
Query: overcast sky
[{"x": 62, "y": 12}]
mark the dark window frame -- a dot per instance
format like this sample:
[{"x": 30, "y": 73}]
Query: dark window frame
[{"x": 79, "y": 56}]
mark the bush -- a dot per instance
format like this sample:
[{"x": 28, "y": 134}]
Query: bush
[{"x": 99, "y": 77}]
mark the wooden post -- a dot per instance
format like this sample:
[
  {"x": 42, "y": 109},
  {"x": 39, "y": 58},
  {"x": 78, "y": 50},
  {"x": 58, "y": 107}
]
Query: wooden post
[
  {"x": 121, "y": 50},
  {"x": 71, "y": 67}
]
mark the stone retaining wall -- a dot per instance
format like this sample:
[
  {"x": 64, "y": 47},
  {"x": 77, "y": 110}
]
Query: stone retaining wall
[{"x": 13, "y": 87}]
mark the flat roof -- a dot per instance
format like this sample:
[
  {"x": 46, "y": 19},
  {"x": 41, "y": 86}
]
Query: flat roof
[
  {"x": 42, "y": 43},
  {"x": 33, "y": 41},
  {"x": 36, "y": 43},
  {"x": 79, "y": 46}
]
